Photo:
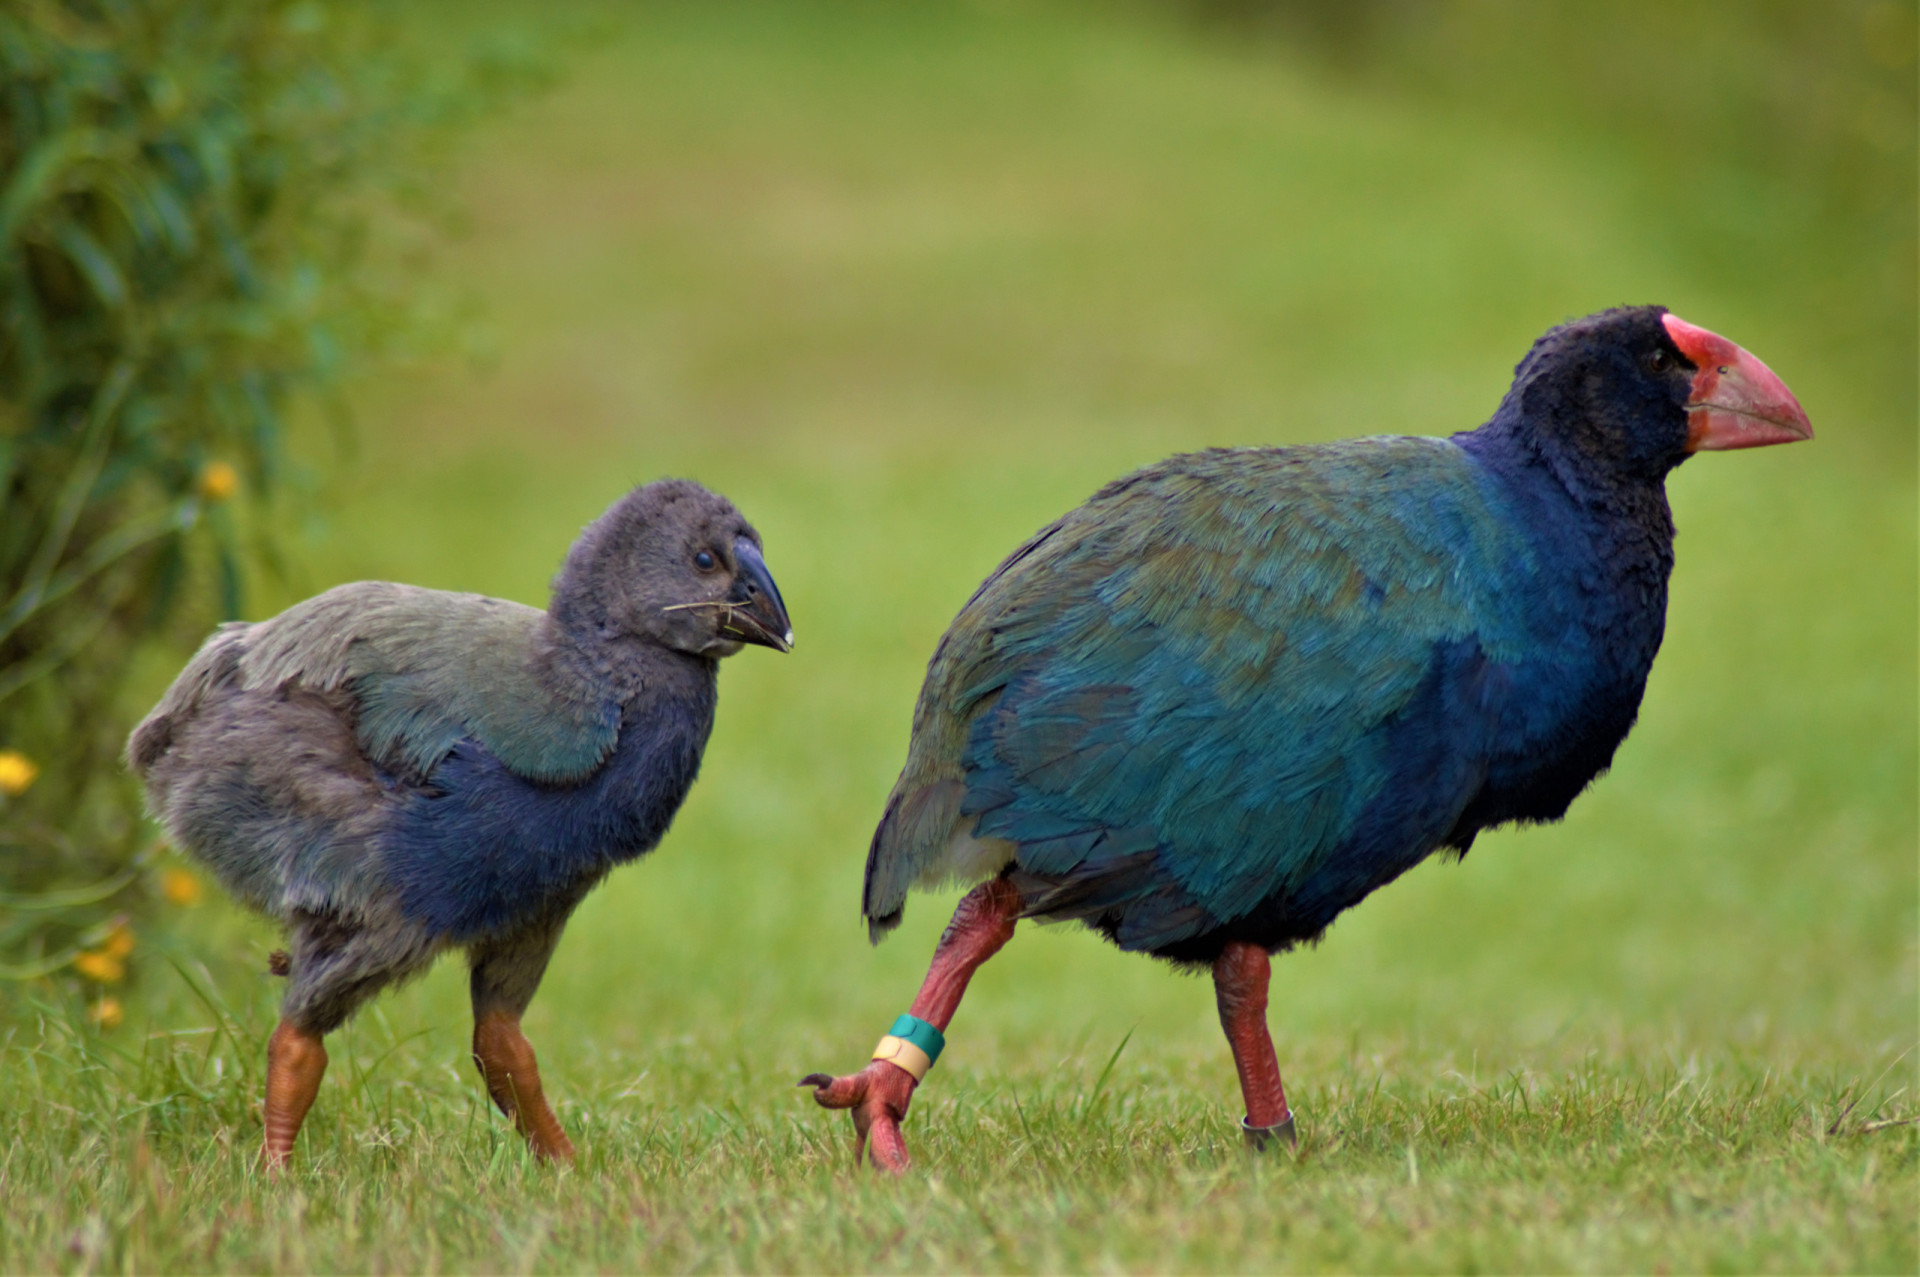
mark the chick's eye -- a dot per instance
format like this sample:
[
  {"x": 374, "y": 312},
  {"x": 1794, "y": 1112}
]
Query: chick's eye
[
  {"x": 1659, "y": 361},
  {"x": 703, "y": 561}
]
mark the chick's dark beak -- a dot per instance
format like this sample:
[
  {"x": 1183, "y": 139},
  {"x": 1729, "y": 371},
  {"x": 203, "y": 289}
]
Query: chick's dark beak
[{"x": 761, "y": 614}]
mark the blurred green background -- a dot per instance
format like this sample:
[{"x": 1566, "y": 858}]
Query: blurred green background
[{"x": 906, "y": 282}]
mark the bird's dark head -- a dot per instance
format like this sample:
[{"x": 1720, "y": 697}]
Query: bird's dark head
[
  {"x": 1636, "y": 390},
  {"x": 673, "y": 564}
]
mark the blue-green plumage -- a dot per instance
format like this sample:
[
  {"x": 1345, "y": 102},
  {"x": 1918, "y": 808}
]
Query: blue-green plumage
[
  {"x": 1238, "y": 690},
  {"x": 427, "y": 668}
]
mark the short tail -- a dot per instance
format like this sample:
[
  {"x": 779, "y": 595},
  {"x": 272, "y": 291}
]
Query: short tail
[
  {"x": 922, "y": 841},
  {"x": 881, "y": 904}
]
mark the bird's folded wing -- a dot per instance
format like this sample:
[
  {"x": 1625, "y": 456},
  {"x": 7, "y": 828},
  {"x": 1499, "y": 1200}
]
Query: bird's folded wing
[
  {"x": 428, "y": 668},
  {"x": 1180, "y": 687}
]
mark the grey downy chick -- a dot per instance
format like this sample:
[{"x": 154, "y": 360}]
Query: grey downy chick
[{"x": 393, "y": 771}]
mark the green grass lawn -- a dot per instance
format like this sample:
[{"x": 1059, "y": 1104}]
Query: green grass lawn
[{"x": 906, "y": 284}]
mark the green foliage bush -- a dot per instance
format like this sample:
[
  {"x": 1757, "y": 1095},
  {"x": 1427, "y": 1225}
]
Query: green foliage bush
[{"x": 186, "y": 192}]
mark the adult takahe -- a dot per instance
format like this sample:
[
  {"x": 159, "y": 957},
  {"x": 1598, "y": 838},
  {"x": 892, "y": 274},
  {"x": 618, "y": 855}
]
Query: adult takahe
[
  {"x": 1237, "y": 691},
  {"x": 392, "y": 771}
]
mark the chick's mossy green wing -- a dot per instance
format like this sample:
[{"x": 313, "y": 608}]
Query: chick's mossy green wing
[
  {"x": 1193, "y": 667},
  {"x": 428, "y": 667}
]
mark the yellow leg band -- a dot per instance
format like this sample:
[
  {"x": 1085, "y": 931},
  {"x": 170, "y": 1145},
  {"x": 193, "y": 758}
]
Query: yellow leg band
[{"x": 904, "y": 1054}]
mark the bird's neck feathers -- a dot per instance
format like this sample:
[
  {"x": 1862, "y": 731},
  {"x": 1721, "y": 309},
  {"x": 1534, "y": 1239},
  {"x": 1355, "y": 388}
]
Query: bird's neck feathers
[
  {"x": 585, "y": 652},
  {"x": 1602, "y": 532},
  {"x": 1609, "y": 526},
  {"x": 583, "y": 640},
  {"x": 582, "y": 643},
  {"x": 1537, "y": 437}
]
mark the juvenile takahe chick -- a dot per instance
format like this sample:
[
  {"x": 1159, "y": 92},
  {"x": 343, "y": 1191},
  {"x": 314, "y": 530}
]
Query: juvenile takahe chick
[
  {"x": 393, "y": 771},
  {"x": 1237, "y": 691}
]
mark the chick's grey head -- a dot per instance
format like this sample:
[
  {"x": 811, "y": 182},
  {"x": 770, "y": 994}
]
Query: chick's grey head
[{"x": 671, "y": 564}]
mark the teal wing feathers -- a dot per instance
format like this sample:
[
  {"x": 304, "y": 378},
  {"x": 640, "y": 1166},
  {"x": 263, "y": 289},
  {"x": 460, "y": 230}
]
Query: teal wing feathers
[
  {"x": 1177, "y": 692},
  {"x": 427, "y": 668}
]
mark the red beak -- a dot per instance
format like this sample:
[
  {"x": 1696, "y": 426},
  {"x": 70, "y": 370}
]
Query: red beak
[{"x": 1737, "y": 402}]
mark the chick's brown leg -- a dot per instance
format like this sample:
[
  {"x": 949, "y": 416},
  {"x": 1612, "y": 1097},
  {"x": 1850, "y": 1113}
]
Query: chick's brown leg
[
  {"x": 880, "y": 1093},
  {"x": 296, "y": 1061},
  {"x": 1240, "y": 977},
  {"x": 506, "y": 972},
  {"x": 512, "y": 1075}
]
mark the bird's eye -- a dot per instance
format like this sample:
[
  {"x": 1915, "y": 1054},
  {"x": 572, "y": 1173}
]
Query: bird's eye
[
  {"x": 703, "y": 561},
  {"x": 1659, "y": 361}
]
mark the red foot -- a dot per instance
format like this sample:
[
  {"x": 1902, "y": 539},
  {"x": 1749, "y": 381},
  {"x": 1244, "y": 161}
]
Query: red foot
[{"x": 878, "y": 1095}]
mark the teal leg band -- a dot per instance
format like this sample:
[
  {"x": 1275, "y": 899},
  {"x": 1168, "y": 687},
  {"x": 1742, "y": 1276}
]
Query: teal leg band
[
  {"x": 911, "y": 1028},
  {"x": 912, "y": 1044}
]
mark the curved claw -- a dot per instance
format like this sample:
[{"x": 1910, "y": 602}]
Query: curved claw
[{"x": 878, "y": 1095}]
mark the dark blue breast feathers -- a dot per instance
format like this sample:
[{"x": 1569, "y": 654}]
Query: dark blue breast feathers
[{"x": 479, "y": 847}]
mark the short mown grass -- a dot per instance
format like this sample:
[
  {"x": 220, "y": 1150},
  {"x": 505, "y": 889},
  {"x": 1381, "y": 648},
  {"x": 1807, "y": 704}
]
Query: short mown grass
[
  {"x": 906, "y": 283},
  {"x": 1611, "y": 1156}
]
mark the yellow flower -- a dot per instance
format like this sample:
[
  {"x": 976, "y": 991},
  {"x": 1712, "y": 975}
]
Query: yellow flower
[
  {"x": 16, "y": 772},
  {"x": 107, "y": 1013},
  {"x": 218, "y": 481},
  {"x": 119, "y": 942},
  {"x": 180, "y": 887},
  {"x": 100, "y": 967}
]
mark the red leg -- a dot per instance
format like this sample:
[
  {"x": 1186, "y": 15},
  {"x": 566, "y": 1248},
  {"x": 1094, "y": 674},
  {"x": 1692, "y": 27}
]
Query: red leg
[
  {"x": 296, "y": 1061},
  {"x": 1240, "y": 976},
  {"x": 507, "y": 1065},
  {"x": 879, "y": 1094}
]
